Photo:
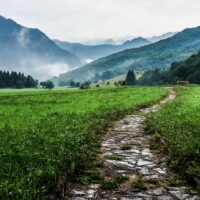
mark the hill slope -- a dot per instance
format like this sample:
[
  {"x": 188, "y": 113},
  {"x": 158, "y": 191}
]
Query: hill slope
[
  {"x": 156, "y": 55},
  {"x": 186, "y": 70},
  {"x": 162, "y": 37},
  {"x": 31, "y": 51},
  {"x": 93, "y": 52}
]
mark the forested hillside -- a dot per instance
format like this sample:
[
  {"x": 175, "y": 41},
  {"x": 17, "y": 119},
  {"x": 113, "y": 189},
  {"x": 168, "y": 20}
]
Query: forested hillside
[
  {"x": 188, "y": 70},
  {"x": 158, "y": 55},
  {"x": 93, "y": 52}
]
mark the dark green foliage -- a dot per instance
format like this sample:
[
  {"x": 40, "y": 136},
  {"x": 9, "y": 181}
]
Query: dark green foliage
[
  {"x": 85, "y": 85},
  {"x": 130, "y": 78},
  {"x": 20, "y": 84},
  {"x": 109, "y": 185},
  {"x": 16, "y": 80},
  {"x": 174, "y": 183},
  {"x": 154, "y": 77},
  {"x": 72, "y": 83},
  {"x": 121, "y": 179},
  {"x": 140, "y": 185},
  {"x": 47, "y": 84},
  {"x": 188, "y": 70},
  {"x": 93, "y": 177}
]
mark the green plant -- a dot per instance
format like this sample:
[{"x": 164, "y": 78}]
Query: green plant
[
  {"x": 121, "y": 179},
  {"x": 113, "y": 157},
  {"x": 140, "y": 185},
  {"x": 109, "y": 185}
]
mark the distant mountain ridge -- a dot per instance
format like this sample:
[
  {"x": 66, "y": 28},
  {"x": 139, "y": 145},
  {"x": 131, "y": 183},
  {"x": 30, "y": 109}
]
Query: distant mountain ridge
[
  {"x": 157, "y": 55},
  {"x": 31, "y": 51},
  {"x": 162, "y": 37},
  {"x": 93, "y": 52}
]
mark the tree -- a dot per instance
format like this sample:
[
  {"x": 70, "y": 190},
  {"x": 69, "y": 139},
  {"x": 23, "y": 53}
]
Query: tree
[
  {"x": 20, "y": 84},
  {"x": 47, "y": 84},
  {"x": 30, "y": 82},
  {"x": 85, "y": 85},
  {"x": 106, "y": 75},
  {"x": 16, "y": 80},
  {"x": 77, "y": 84},
  {"x": 195, "y": 77},
  {"x": 130, "y": 78},
  {"x": 43, "y": 84},
  {"x": 72, "y": 83}
]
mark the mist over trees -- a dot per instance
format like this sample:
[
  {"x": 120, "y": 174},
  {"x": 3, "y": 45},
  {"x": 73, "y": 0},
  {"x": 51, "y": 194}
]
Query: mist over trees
[{"x": 16, "y": 80}]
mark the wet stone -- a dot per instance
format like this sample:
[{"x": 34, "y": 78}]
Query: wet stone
[
  {"x": 142, "y": 162},
  {"x": 165, "y": 197},
  {"x": 157, "y": 192},
  {"x": 77, "y": 193},
  {"x": 137, "y": 162}
]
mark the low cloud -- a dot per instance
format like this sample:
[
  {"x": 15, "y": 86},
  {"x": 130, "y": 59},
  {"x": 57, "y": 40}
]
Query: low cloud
[
  {"x": 23, "y": 37},
  {"x": 79, "y": 20}
]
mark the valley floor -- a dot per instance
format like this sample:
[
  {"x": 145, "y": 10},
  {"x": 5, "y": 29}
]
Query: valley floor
[
  {"x": 49, "y": 137},
  {"x": 130, "y": 169}
]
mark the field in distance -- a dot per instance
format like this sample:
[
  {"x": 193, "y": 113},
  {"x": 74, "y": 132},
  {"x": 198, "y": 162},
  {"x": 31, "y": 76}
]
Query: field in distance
[{"x": 46, "y": 134}]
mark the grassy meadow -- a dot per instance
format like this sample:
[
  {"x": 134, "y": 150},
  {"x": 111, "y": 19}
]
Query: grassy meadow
[
  {"x": 179, "y": 125},
  {"x": 49, "y": 136}
]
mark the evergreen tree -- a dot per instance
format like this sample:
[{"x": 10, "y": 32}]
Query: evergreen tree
[
  {"x": 130, "y": 78},
  {"x": 16, "y": 80}
]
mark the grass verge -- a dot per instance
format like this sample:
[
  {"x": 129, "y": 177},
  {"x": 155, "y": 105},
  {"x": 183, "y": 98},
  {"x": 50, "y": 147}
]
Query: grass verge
[
  {"x": 48, "y": 137},
  {"x": 179, "y": 125}
]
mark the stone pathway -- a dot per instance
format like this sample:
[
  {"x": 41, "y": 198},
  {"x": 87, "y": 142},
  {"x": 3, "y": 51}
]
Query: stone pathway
[{"x": 127, "y": 155}]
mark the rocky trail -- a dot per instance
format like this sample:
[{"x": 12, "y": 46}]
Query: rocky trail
[{"x": 128, "y": 160}]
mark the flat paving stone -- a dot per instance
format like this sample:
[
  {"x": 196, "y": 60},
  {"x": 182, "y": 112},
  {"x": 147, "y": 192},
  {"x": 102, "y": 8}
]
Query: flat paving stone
[{"x": 137, "y": 161}]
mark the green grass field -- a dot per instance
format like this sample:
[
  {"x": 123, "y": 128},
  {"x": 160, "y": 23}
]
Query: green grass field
[
  {"x": 48, "y": 136},
  {"x": 179, "y": 125}
]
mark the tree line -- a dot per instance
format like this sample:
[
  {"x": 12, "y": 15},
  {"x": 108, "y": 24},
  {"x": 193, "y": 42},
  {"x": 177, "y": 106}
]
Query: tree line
[
  {"x": 187, "y": 70},
  {"x": 16, "y": 80}
]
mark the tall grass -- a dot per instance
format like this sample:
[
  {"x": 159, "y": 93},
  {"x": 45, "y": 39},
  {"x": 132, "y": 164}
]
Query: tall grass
[
  {"x": 179, "y": 125},
  {"x": 48, "y": 137}
]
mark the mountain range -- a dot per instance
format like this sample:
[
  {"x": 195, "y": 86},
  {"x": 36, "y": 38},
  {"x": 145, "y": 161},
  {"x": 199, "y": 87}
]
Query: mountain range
[
  {"x": 157, "y": 55},
  {"x": 32, "y": 52},
  {"x": 93, "y": 52},
  {"x": 161, "y": 37}
]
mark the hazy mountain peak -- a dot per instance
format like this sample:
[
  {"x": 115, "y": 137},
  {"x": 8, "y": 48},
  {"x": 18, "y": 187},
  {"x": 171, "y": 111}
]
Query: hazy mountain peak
[
  {"x": 137, "y": 40},
  {"x": 30, "y": 51},
  {"x": 156, "y": 55},
  {"x": 162, "y": 37}
]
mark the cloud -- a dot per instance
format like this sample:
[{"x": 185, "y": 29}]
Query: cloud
[
  {"x": 79, "y": 20},
  {"x": 23, "y": 37}
]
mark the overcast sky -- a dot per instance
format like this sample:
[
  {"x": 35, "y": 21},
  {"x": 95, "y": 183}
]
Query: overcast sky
[{"x": 79, "y": 20}]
